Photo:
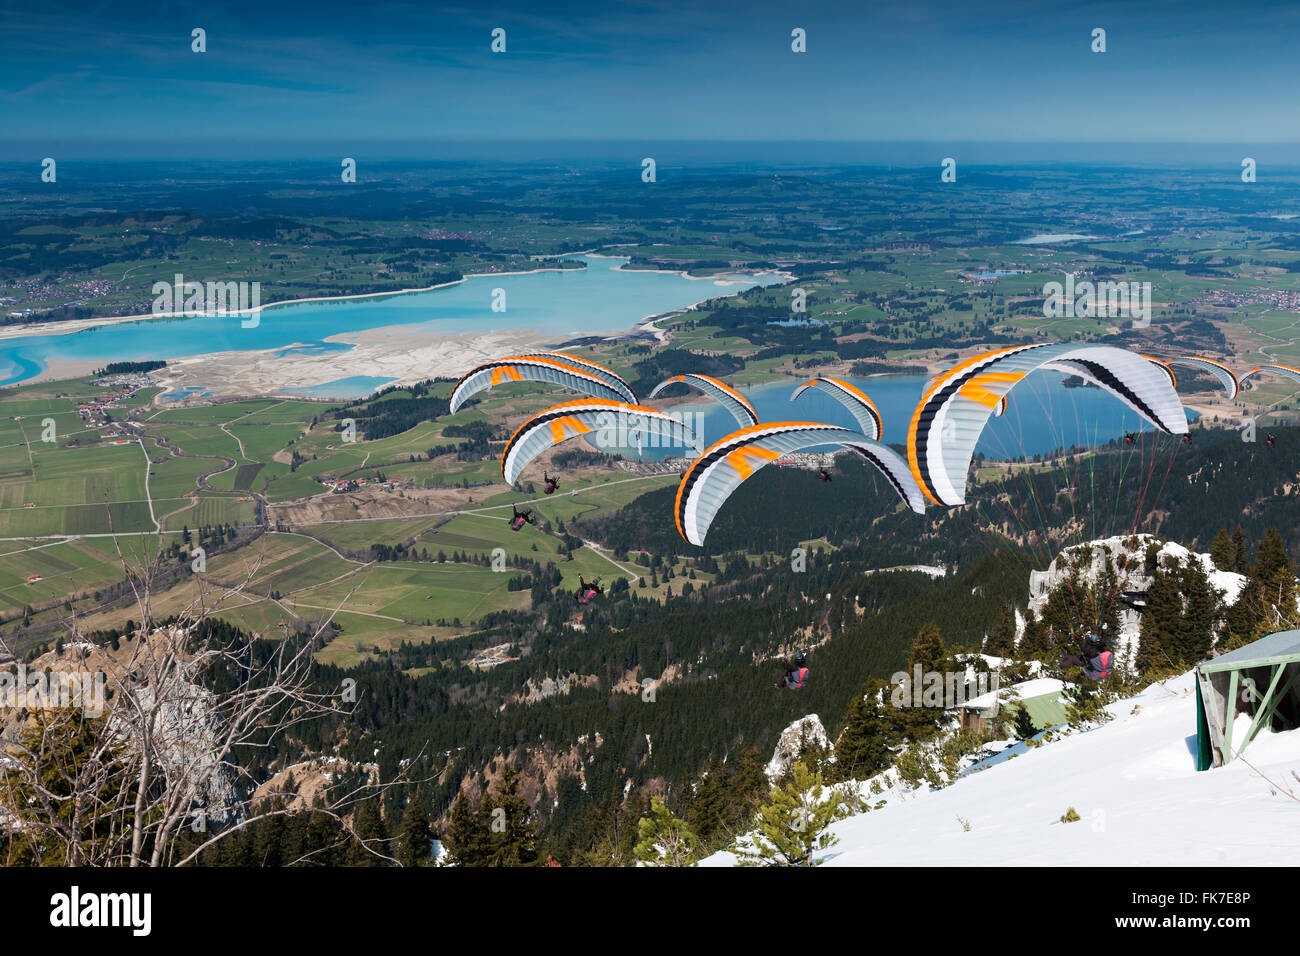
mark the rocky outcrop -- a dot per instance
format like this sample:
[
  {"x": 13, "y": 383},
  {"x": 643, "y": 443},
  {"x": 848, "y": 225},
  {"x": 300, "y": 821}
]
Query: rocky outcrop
[
  {"x": 534, "y": 692},
  {"x": 299, "y": 784},
  {"x": 187, "y": 743},
  {"x": 803, "y": 734},
  {"x": 1126, "y": 555}
]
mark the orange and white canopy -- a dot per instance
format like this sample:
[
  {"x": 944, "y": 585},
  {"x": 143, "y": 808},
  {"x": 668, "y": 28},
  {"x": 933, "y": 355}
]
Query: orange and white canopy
[
  {"x": 958, "y": 403},
  {"x": 607, "y": 425},
  {"x": 719, "y": 391},
  {"x": 536, "y": 368},
  {"x": 727, "y": 463}
]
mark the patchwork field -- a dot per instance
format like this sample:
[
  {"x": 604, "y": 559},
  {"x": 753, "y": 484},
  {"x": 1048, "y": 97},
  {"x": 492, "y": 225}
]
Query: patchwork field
[{"x": 164, "y": 476}]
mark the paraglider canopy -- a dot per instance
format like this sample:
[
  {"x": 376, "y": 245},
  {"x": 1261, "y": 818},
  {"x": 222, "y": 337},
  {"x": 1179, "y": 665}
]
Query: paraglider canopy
[
  {"x": 595, "y": 368},
  {"x": 957, "y": 405},
  {"x": 862, "y": 408},
  {"x": 525, "y": 368},
  {"x": 1220, "y": 371},
  {"x": 727, "y": 463},
  {"x": 610, "y": 423},
  {"x": 1284, "y": 370},
  {"x": 719, "y": 391}
]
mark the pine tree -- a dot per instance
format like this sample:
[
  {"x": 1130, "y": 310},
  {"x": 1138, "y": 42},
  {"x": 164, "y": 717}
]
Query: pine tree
[
  {"x": 1202, "y": 606},
  {"x": 625, "y": 823},
  {"x": 920, "y": 722},
  {"x": 928, "y": 650},
  {"x": 1267, "y": 603},
  {"x": 665, "y": 840},
  {"x": 466, "y": 835},
  {"x": 1023, "y": 724},
  {"x": 371, "y": 842},
  {"x": 749, "y": 787},
  {"x": 271, "y": 840},
  {"x": 1223, "y": 552},
  {"x": 1277, "y": 580},
  {"x": 322, "y": 838},
  {"x": 414, "y": 839},
  {"x": 862, "y": 747},
  {"x": 1066, "y": 607},
  {"x": 792, "y": 825},
  {"x": 1162, "y": 621},
  {"x": 1104, "y": 600},
  {"x": 512, "y": 838},
  {"x": 1002, "y": 642},
  {"x": 707, "y": 813},
  {"x": 1035, "y": 642},
  {"x": 1240, "y": 559},
  {"x": 294, "y": 846},
  {"x": 1085, "y": 703}
]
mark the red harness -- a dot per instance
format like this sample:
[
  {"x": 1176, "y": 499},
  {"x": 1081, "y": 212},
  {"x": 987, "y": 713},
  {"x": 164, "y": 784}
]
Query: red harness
[{"x": 1105, "y": 662}]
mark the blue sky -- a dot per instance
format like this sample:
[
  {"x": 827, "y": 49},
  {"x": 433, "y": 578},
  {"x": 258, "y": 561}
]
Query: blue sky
[{"x": 121, "y": 75}]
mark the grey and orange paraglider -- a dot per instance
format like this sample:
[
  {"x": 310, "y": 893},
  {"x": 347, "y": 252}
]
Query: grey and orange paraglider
[
  {"x": 575, "y": 375},
  {"x": 604, "y": 420},
  {"x": 727, "y": 463},
  {"x": 958, "y": 403},
  {"x": 722, "y": 393}
]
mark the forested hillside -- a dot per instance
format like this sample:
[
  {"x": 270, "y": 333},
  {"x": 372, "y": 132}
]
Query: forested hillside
[{"x": 1160, "y": 485}]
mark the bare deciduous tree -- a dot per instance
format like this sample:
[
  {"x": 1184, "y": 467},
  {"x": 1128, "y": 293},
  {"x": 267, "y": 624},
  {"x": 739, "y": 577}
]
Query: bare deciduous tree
[{"x": 157, "y": 778}]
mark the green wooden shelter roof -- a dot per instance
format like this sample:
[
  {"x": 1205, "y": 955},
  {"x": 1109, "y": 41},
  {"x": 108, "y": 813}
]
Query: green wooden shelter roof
[{"x": 1284, "y": 645}]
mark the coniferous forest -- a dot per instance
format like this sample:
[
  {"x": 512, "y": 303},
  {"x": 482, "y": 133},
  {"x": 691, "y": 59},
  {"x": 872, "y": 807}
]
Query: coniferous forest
[{"x": 578, "y": 771}]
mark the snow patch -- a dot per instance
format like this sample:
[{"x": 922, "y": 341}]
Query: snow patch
[{"x": 1133, "y": 782}]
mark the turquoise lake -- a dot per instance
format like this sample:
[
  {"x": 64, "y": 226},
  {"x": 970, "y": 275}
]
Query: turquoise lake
[
  {"x": 565, "y": 303},
  {"x": 354, "y": 386},
  {"x": 1042, "y": 414}
]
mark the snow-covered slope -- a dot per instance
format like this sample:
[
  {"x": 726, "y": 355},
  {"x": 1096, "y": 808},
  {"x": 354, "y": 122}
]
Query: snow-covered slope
[{"x": 1133, "y": 783}]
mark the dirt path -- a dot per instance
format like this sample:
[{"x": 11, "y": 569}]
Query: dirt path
[
  {"x": 31, "y": 461},
  {"x": 189, "y": 505},
  {"x": 348, "y": 610},
  {"x": 632, "y": 576},
  {"x": 148, "y": 463},
  {"x": 309, "y": 537},
  {"x": 224, "y": 428}
]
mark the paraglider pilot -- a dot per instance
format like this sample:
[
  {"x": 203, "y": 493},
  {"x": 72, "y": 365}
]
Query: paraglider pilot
[
  {"x": 796, "y": 674},
  {"x": 1094, "y": 657},
  {"x": 587, "y": 593}
]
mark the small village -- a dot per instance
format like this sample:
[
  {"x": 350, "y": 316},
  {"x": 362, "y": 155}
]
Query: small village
[
  {"x": 1286, "y": 300},
  {"x": 343, "y": 485},
  {"x": 118, "y": 388}
]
